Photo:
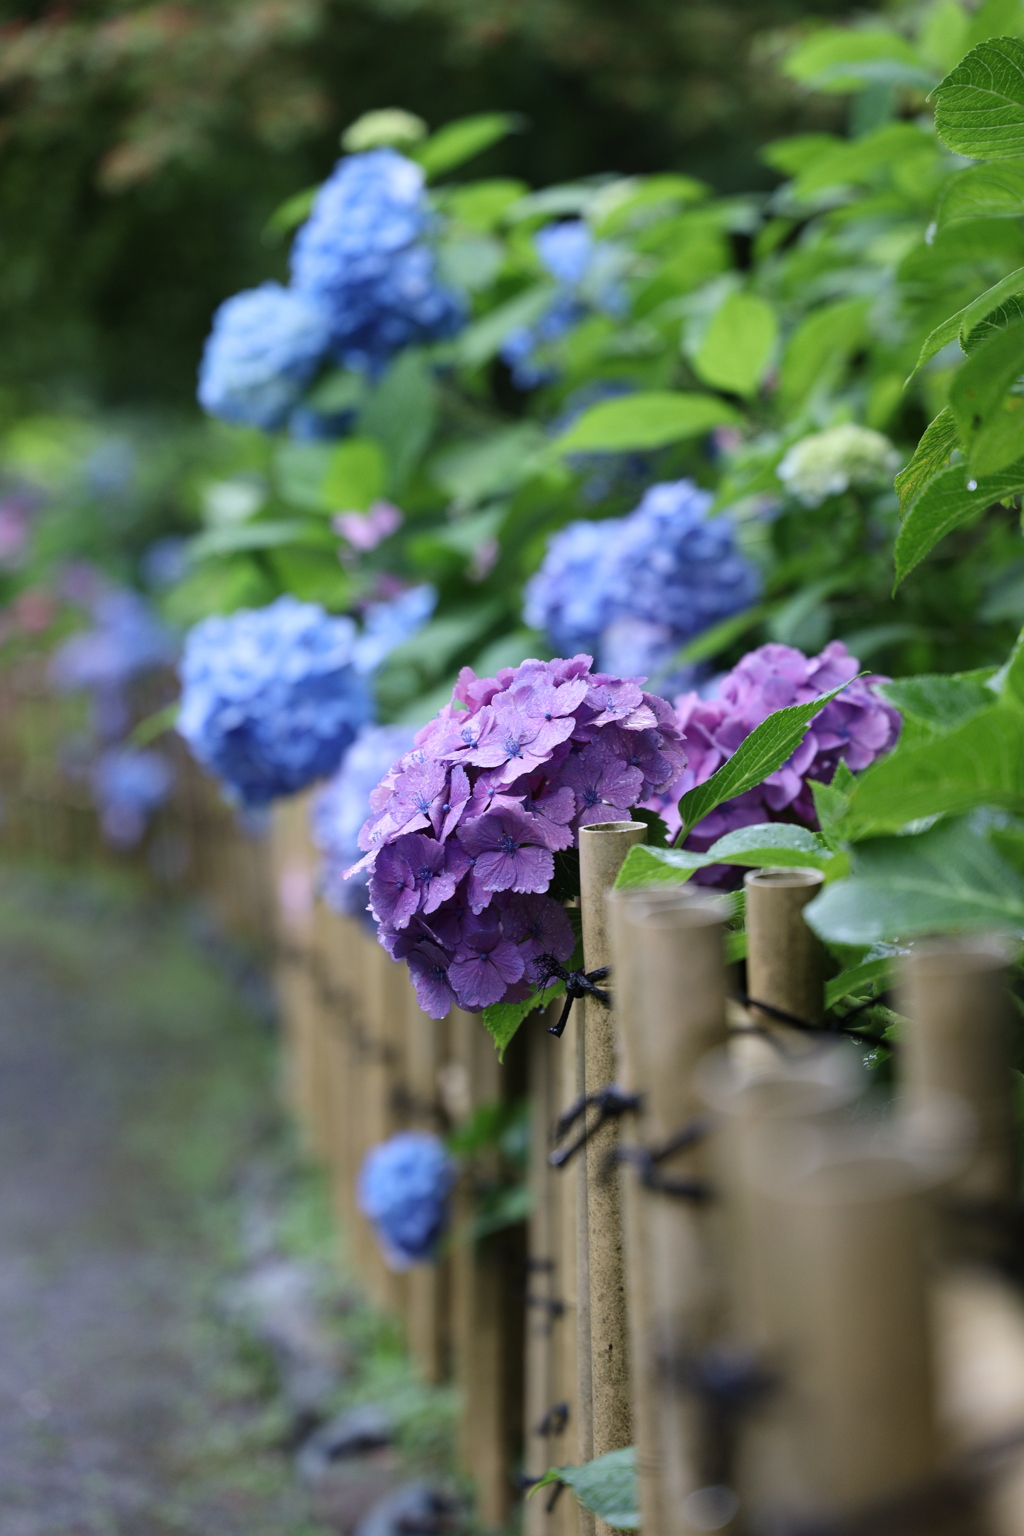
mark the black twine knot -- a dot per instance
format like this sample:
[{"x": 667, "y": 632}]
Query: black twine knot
[
  {"x": 610, "y": 1102},
  {"x": 577, "y": 984},
  {"x": 646, "y": 1160}
]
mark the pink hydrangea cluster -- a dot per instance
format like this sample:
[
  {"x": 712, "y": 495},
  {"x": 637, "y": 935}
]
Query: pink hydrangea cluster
[
  {"x": 854, "y": 728},
  {"x": 465, "y": 828}
]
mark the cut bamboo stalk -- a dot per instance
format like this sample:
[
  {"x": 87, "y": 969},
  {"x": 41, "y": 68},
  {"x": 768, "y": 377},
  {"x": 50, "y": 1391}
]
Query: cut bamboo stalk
[
  {"x": 427, "y": 1285},
  {"x": 784, "y": 958},
  {"x": 953, "y": 993},
  {"x": 605, "y": 1388},
  {"x": 846, "y": 1306},
  {"x": 670, "y": 1002},
  {"x": 334, "y": 949},
  {"x": 380, "y": 1044}
]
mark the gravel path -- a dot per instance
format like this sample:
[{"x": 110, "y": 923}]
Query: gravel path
[{"x": 134, "y": 1084}]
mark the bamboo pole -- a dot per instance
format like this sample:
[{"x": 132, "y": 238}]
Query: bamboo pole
[
  {"x": 605, "y": 1418},
  {"x": 953, "y": 993},
  {"x": 427, "y": 1285},
  {"x": 670, "y": 991},
  {"x": 784, "y": 958}
]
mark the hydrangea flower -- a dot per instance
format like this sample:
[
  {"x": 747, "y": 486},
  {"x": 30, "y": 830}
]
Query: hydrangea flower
[
  {"x": 126, "y": 640},
  {"x": 263, "y": 350},
  {"x": 636, "y": 588},
  {"x": 854, "y": 728},
  {"x": 464, "y": 829},
  {"x": 403, "y": 1189},
  {"x": 128, "y": 785},
  {"x": 363, "y": 257},
  {"x": 343, "y": 805},
  {"x": 585, "y": 276},
  {"x": 272, "y": 697},
  {"x": 828, "y": 463}
]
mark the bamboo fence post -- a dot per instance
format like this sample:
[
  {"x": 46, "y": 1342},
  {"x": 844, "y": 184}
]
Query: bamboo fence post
[
  {"x": 953, "y": 992},
  {"x": 670, "y": 1002},
  {"x": 339, "y": 1008},
  {"x": 549, "y": 1389},
  {"x": 380, "y": 1046},
  {"x": 846, "y": 1306},
  {"x": 784, "y": 958},
  {"x": 605, "y": 1417},
  {"x": 486, "y": 1304},
  {"x": 427, "y": 1284}
]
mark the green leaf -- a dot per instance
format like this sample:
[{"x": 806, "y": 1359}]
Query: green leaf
[
  {"x": 295, "y": 210},
  {"x": 156, "y": 724},
  {"x": 657, "y": 831},
  {"x": 978, "y": 390},
  {"x": 840, "y": 58},
  {"x": 719, "y": 636},
  {"x": 738, "y": 344},
  {"x": 400, "y": 414},
  {"x": 233, "y": 538},
  {"x": 773, "y": 844},
  {"x": 938, "y": 701},
  {"x": 607, "y": 1486},
  {"x": 489, "y": 466},
  {"x": 982, "y": 192},
  {"x": 930, "y": 456},
  {"x": 765, "y": 749},
  {"x": 994, "y": 18},
  {"x": 859, "y": 160},
  {"x": 964, "y": 321},
  {"x": 482, "y": 340},
  {"x": 980, "y": 762},
  {"x": 1012, "y": 675},
  {"x": 337, "y": 391},
  {"x": 299, "y": 470},
  {"x": 979, "y": 106},
  {"x": 856, "y": 977},
  {"x": 501, "y": 1020},
  {"x": 355, "y": 475},
  {"x": 645, "y": 420},
  {"x": 945, "y": 879},
  {"x": 458, "y": 142},
  {"x": 946, "y": 503},
  {"x": 819, "y": 347}
]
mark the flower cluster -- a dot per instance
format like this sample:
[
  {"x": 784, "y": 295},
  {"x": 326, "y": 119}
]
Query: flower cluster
[
  {"x": 264, "y": 348},
  {"x": 128, "y": 785},
  {"x": 829, "y": 463},
  {"x": 126, "y": 640},
  {"x": 403, "y": 1189},
  {"x": 272, "y": 697},
  {"x": 636, "y": 588},
  {"x": 854, "y": 728},
  {"x": 585, "y": 275},
  {"x": 343, "y": 805},
  {"x": 363, "y": 256},
  {"x": 462, "y": 841}
]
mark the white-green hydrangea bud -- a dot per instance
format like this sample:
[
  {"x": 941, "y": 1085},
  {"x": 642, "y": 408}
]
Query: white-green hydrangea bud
[
  {"x": 828, "y": 463},
  {"x": 388, "y": 128}
]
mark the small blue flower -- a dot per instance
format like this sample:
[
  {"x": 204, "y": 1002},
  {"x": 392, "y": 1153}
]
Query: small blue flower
[
  {"x": 403, "y": 1189},
  {"x": 632, "y": 590},
  {"x": 343, "y": 805},
  {"x": 584, "y": 270},
  {"x": 263, "y": 350},
  {"x": 388, "y": 624},
  {"x": 272, "y": 697},
  {"x": 128, "y": 785},
  {"x": 363, "y": 255},
  {"x": 126, "y": 639}
]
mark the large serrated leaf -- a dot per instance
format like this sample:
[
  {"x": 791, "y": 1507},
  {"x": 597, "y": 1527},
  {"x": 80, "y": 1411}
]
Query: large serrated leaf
[
  {"x": 951, "y": 499},
  {"x": 945, "y": 879},
  {"x": 930, "y": 456},
  {"x": 771, "y": 844},
  {"x": 607, "y": 1486},
  {"x": 938, "y": 701},
  {"x": 964, "y": 321},
  {"x": 649, "y": 419},
  {"x": 982, "y": 192},
  {"x": 980, "y": 762},
  {"x": 765, "y": 749},
  {"x": 979, "y": 388},
  {"x": 979, "y": 106}
]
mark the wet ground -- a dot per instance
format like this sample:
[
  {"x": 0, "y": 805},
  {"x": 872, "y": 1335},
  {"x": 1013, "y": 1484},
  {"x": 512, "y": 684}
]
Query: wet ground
[{"x": 136, "y": 1084}]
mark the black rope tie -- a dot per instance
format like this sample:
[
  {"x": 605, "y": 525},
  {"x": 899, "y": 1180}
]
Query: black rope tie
[
  {"x": 610, "y": 1102},
  {"x": 577, "y": 984},
  {"x": 554, "y": 1421},
  {"x": 646, "y": 1160},
  {"x": 830, "y": 1027}
]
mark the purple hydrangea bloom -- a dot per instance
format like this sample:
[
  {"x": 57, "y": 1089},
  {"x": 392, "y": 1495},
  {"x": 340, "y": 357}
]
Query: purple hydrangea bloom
[
  {"x": 128, "y": 785},
  {"x": 363, "y": 257},
  {"x": 634, "y": 589},
  {"x": 855, "y": 728},
  {"x": 264, "y": 348},
  {"x": 342, "y": 806},
  {"x": 464, "y": 828},
  {"x": 403, "y": 1188}
]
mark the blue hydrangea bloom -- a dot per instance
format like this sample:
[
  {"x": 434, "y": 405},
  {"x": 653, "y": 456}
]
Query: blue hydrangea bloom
[
  {"x": 403, "y": 1189},
  {"x": 126, "y": 639},
  {"x": 263, "y": 350},
  {"x": 272, "y": 697},
  {"x": 388, "y": 624},
  {"x": 583, "y": 269},
  {"x": 632, "y": 590},
  {"x": 343, "y": 805},
  {"x": 363, "y": 254},
  {"x": 128, "y": 785}
]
